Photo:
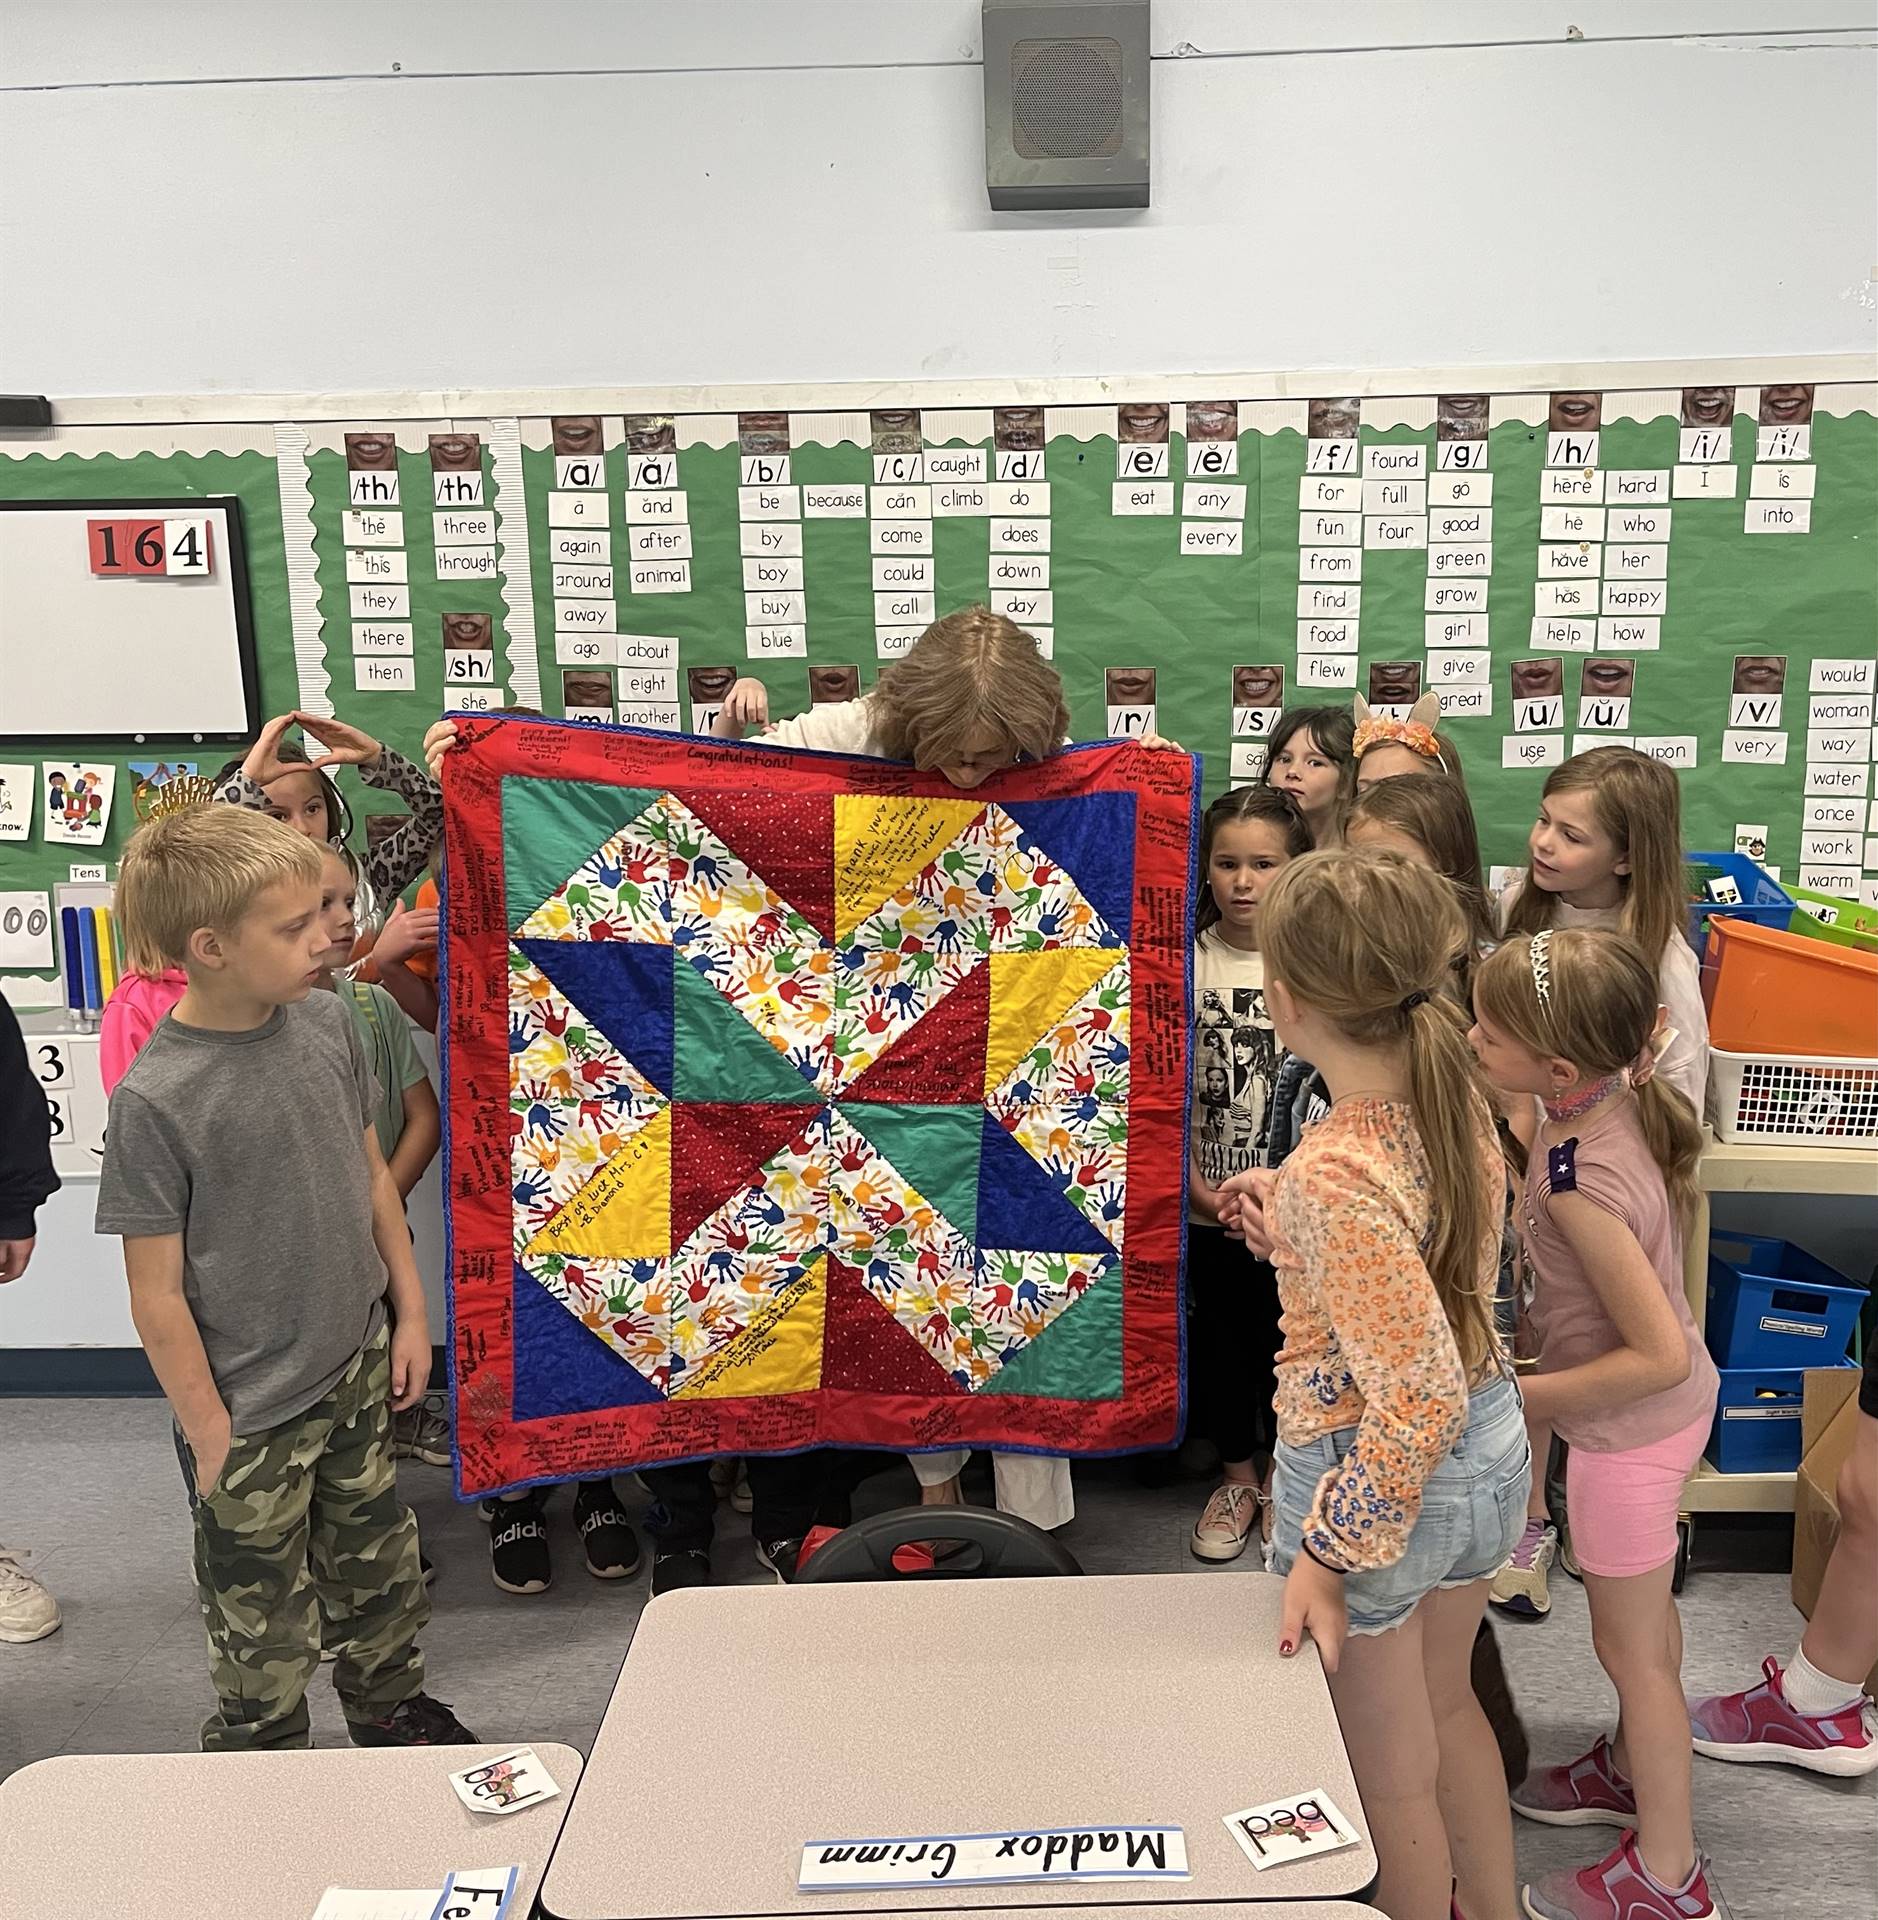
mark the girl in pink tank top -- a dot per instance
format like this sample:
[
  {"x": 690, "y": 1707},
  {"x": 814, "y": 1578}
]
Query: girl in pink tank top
[{"x": 1573, "y": 1017}]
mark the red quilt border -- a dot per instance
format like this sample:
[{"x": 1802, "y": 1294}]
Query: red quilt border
[{"x": 493, "y": 1450}]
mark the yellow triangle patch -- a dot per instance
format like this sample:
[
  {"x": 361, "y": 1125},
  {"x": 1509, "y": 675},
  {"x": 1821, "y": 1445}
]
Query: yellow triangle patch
[
  {"x": 882, "y": 842},
  {"x": 780, "y": 1351},
  {"x": 1030, "y": 993},
  {"x": 625, "y": 1211}
]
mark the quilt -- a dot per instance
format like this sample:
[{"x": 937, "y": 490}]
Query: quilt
[{"x": 795, "y": 1099}]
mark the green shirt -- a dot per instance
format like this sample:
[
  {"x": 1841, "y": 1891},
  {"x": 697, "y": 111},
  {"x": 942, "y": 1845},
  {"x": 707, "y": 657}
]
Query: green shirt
[{"x": 385, "y": 1034}]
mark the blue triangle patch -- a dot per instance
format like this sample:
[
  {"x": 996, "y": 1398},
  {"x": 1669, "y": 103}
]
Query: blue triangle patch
[
  {"x": 1092, "y": 838},
  {"x": 562, "y": 1367},
  {"x": 1020, "y": 1207},
  {"x": 624, "y": 987}
]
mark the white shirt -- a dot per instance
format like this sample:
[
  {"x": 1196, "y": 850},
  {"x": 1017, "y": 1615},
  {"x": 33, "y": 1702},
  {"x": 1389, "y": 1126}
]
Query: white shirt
[
  {"x": 840, "y": 726},
  {"x": 1678, "y": 985}
]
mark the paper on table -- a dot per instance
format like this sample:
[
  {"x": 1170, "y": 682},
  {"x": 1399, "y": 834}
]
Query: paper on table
[
  {"x": 1304, "y": 1826},
  {"x": 506, "y": 1784},
  {"x": 1061, "y": 1853},
  {"x": 357, "y": 1903}
]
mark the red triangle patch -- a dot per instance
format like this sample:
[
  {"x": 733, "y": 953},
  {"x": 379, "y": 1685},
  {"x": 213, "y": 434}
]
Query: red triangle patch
[
  {"x": 941, "y": 1061},
  {"x": 787, "y": 838},
  {"x": 864, "y": 1347},
  {"x": 717, "y": 1148}
]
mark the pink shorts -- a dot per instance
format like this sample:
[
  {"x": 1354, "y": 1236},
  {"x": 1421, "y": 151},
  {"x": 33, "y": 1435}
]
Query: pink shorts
[{"x": 1623, "y": 1505}]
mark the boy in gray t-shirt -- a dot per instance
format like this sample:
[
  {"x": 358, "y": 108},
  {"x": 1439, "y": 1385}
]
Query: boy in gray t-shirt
[{"x": 262, "y": 1234}]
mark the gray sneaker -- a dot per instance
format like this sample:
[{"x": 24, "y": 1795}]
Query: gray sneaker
[{"x": 422, "y": 1432}]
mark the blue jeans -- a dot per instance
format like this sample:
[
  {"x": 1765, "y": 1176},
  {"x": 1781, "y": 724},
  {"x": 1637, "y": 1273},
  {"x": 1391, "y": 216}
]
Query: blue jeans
[{"x": 1473, "y": 1508}]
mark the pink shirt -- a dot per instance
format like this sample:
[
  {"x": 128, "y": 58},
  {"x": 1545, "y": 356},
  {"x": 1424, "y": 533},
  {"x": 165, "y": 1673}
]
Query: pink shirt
[
  {"x": 131, "y": 1015},
  {"x": 1613, "y": 1169}
]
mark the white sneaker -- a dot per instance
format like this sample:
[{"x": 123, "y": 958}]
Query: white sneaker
[{"x": 27, "y": 1610}]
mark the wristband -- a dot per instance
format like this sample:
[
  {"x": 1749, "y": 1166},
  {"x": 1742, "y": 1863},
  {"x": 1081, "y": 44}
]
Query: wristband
[{"x": 1313, "y": 1554}]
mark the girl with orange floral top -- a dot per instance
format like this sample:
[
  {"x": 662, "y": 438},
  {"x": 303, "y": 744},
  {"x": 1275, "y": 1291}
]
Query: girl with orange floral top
[{"x": 1402, "y": 1464}]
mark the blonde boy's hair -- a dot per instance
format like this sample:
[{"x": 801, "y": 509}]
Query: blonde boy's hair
[
  {"x": 204, "y": 868},
  {"x": 970, "y": 677}
]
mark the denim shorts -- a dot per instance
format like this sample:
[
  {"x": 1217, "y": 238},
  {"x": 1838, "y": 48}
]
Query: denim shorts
[{"x": 1473, "y": 1509}]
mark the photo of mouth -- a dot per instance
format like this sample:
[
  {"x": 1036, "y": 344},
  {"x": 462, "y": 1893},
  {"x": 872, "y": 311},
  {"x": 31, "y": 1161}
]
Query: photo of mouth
[
  {"x": 1141, "y": 423},
  {"x": 1395, "y": 683},
  {"x": 587, "y": 690},
  {"x": 1537, "y": 679},
  {"x": 762, "y": 433},
  {"x": 1576, "y": 412},
  {"x": 455, "y": 453},
  {"x": 1607, "y": 679},
  {"x": 1130, "y": 686},
  {"x": 468, "y": 632},
  {"x": 895, "y": 429},
  {"x": 1786, "y": 406},
  {"x": 1017, "y": 429},
  {"x": 1760, "y": 673},
  {"x": 1258, "y": 686},
  {"x": 1333, "y": 419},
  {"x": 576, "y": 433},
  {"x": 828, "y": 686},
  {"x": 658, "y": 432},
  {"x": 371, "y": 453},
  {"x": 1707, "y": 406},
  {"x": 708, "y": 686},
  {"x": 1461, "y": 416},
  {"x": 1212, "y": 419}
]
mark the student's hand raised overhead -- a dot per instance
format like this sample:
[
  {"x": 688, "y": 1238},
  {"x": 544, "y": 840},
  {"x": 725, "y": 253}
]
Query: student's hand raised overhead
[
  {"x": 345, "y": 747},
  {"x": 438, "y": 742},
  {"x": 745, "y": 709}
]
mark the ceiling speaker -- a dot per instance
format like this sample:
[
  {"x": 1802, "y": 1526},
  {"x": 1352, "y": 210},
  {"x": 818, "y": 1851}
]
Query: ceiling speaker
[{"x": 1066, "y": 104}]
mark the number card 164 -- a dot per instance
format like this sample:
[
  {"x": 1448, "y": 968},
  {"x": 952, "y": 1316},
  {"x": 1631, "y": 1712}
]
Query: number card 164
[{"x": 165, "y": 549}]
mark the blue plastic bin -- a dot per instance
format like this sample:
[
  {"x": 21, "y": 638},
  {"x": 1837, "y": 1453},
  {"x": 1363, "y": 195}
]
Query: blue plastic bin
[
  {"x": 1771, "y": 1304},
  {"x": 1763, "y": 899},
  {"x": 1757, "y": 1419}
]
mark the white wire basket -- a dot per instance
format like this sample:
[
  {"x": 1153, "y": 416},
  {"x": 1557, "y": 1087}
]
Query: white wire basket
[{"x": 1793, "y": 1099}]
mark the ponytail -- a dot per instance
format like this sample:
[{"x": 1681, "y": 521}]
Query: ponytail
[
  {"x": 1671, "y": 1132},
  {"x": 1370, "y": 942},
  {"x": 1450, "y": 1117}
]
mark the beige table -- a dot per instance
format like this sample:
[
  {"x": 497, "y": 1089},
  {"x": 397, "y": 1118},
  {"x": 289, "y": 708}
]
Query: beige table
[
  {"x": 255, "y": 1836},
  {"x": 791, "y": 1714}
]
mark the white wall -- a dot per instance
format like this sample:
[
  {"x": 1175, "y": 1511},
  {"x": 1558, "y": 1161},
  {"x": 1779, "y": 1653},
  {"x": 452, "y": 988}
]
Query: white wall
[{"x": 368, "y": 195}]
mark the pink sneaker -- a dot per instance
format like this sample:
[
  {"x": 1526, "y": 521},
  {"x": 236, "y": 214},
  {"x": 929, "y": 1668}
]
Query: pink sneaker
[
  {"x": 1619, "y": 1887},
  {"x": 1761, "y": 1725},
  {"x": 1587, "y": 1792}
]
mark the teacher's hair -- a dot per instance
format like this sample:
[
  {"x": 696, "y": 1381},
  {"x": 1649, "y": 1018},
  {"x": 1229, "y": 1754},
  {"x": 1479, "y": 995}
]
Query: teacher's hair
[{"x": 971, "y": 677}]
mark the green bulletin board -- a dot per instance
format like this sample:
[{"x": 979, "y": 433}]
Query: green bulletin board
[{"x": 1124, "y": 595}]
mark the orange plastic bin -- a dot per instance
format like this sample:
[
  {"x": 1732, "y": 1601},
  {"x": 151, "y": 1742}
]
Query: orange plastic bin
[{"x": 1771, "y": 992}]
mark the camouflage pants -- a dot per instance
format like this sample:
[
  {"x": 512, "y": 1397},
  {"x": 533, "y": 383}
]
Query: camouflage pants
[{"x": 306, "y": 1513}]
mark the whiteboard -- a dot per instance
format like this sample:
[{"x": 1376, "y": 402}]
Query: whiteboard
[{"x": 86, "y": 656}]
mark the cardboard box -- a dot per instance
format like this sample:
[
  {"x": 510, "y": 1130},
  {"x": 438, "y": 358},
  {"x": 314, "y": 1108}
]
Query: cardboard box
[{"x": 1827, "y": 1419}]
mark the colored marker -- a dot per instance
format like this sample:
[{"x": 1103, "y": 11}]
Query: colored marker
[
  {"x": 74, "y": 971},
  {"x": 88, "y": 958}
]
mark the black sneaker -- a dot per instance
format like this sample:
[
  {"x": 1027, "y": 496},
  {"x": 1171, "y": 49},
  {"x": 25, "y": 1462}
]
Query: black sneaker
[
  {"x": 519, "y": 1561},
  {"x": 417, "y": 1722},
  {"x": 687, "y": 1567},
  {"x": 611, "y": 1546},
  {"x": 782, "y": 1557}
]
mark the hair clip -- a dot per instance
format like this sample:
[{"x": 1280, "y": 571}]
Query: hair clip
[{"x": 1539, "y": 953}]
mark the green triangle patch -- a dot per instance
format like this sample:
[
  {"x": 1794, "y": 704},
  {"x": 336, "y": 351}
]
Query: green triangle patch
[
  {"x": 934, "y": 1149},
  {"x": 718, "y": 1055},
  {"x": 543, "y": 819},
  {"x": 1078, "y": 1356}
]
